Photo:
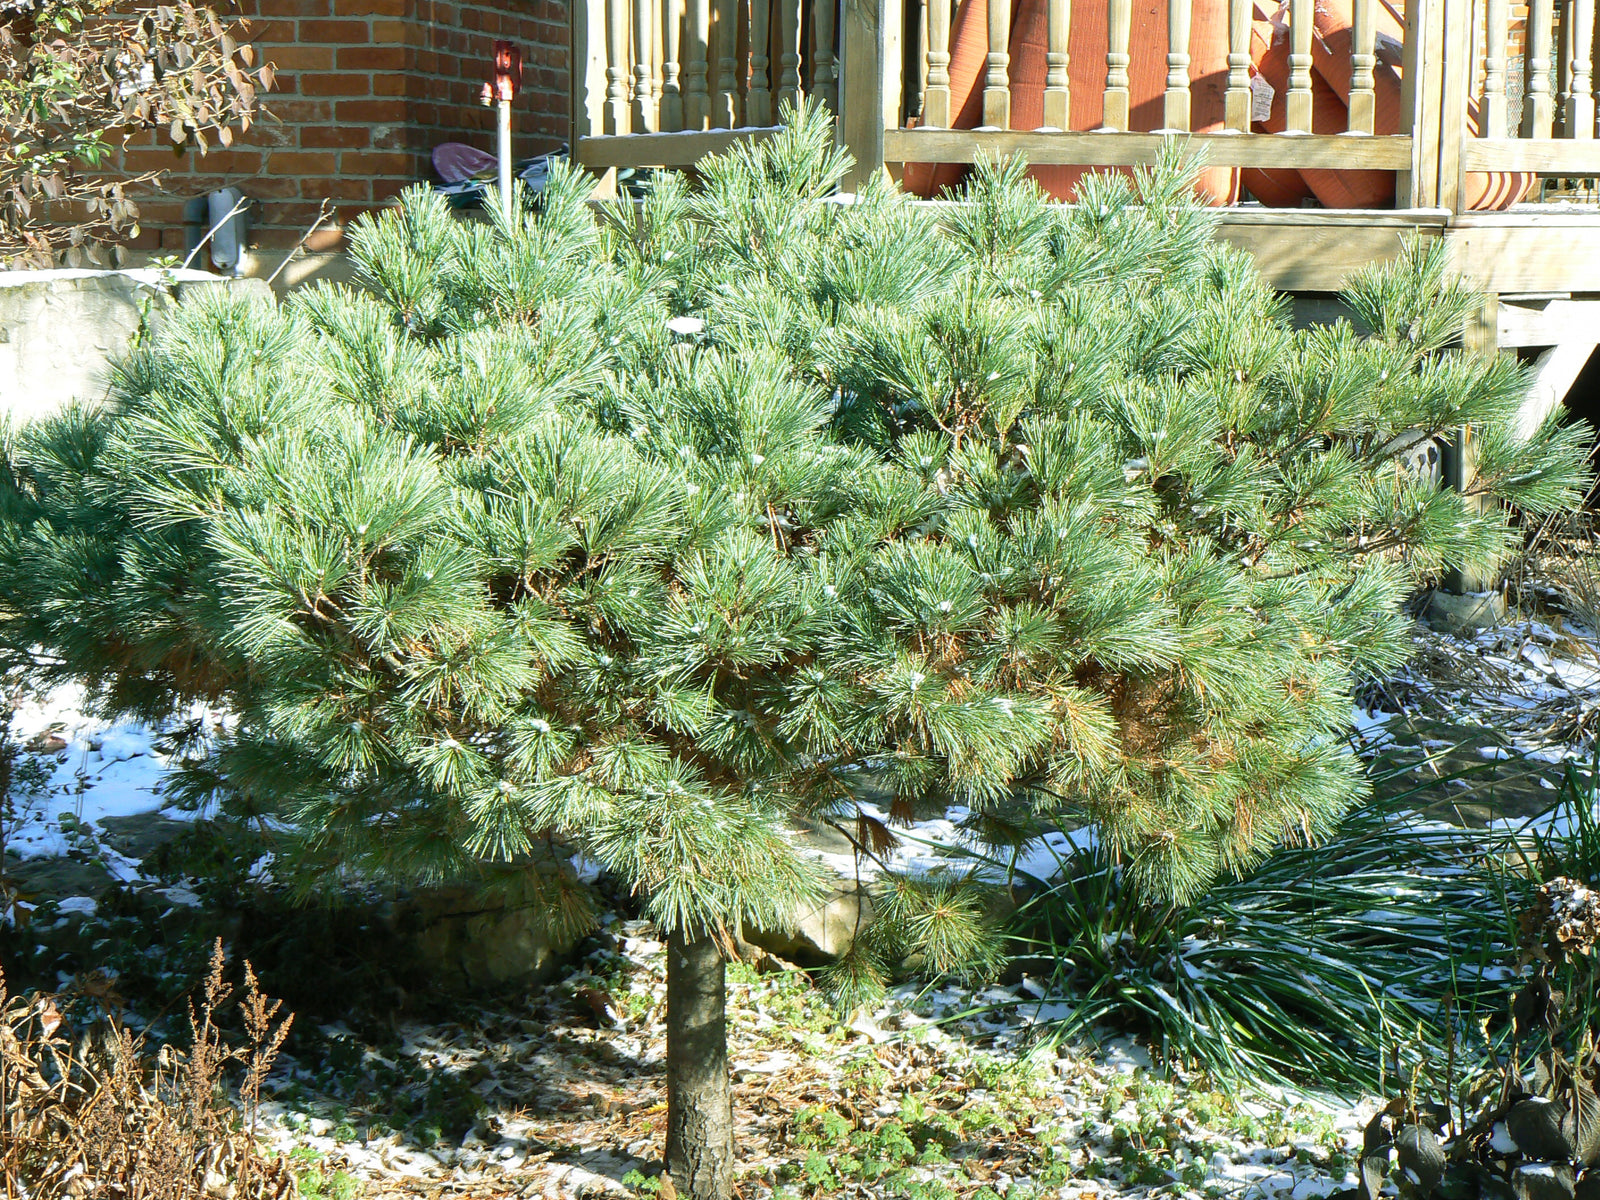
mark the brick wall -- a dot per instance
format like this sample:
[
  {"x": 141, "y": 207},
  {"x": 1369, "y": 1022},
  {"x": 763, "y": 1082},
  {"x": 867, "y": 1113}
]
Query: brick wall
[{"x": 365, "y": 90}]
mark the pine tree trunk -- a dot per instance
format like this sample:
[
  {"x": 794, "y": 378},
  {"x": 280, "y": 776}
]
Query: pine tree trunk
[{"x": 699, "y": 1101}]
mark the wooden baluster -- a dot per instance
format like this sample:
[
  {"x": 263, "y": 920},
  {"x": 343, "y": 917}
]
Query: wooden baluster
[
  {"x": 696, "y": 100},
  {"x": 1236, "y": 104},
  {"x": 1498, "y": 20},
  {"x": 725, "y": 104},
  {"x": 1119, "y": 21},
  {"x": 936, "y": 99},
  {"x": 1175, "y": 109},
  {"x": 617, "y": 119},
  {"x": 1300, "y": 32},
  {"x": 1580, "y": 100},
  {"x": 1057, "y": 82},
  {"x": 671, "y": 111},
  {"x": 996, "y": 81},
  {"x": 1538, "y": 111},
  {"x": 825, "y": 68},
  {"x": 918, "y": 98},
  {"x": 758, "y": 100},
  {"x": 644, "y": 82},
  {"x": 1363, "y": 59},
  {"x": 789, "y": 37}
]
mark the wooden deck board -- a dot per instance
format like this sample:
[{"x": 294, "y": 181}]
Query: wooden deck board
[{"x": 1116, "y": 149}]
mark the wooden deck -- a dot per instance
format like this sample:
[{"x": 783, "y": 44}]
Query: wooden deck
[{"x": 661, "y": 83}]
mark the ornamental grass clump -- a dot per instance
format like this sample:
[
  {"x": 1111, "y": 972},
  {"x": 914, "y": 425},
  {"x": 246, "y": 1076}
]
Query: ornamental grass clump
[
  {"x": 1529, "y": 1127},
  {"x": 640, "y": 538}
]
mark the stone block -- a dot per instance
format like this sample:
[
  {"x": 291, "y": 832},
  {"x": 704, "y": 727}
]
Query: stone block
[{"x": 60, "y": 330}]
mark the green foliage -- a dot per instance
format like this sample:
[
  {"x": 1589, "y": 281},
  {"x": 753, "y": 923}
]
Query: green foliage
[
  {"x": 1327, "y": 964},
  {"x": 634, "y": 538}
]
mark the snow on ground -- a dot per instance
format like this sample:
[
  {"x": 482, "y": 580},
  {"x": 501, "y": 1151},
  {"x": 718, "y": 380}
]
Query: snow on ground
[
  {"x": 933, "y": 843},
  {"x": 575, "y": 1091},
  {"x": 575, "y": 1106},
  {"x": 1535, "y": 684},
  {"x": 96, "y": 769}
]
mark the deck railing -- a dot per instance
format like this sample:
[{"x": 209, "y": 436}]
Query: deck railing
[{"x": 664, "y": 82}]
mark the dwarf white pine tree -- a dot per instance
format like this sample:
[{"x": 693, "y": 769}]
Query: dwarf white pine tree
[{"x": 638, "y": 537}]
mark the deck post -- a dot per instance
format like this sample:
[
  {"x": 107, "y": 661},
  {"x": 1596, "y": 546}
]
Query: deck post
[
  {"x": 1421, "y": 85},
  {"x": 788, "y": 90},
  {"x": 725, "y": 101},
  {"x": 589, "y": 74},
  {"x": 1479, "y": 336},
  {"x": 1175, "y": 104},
  {"x": 1457, "y": 83},
  {"x": 1363, "y": 61},
  {"x": 644, "y": 92},
  {"x": 862, "y": 71}
]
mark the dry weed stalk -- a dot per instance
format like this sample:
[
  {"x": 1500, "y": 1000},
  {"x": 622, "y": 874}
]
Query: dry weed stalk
[{"x": 95, "y": 1115}]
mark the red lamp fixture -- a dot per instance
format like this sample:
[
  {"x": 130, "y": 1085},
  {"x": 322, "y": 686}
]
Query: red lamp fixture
[{"x": 507, "y": 81}]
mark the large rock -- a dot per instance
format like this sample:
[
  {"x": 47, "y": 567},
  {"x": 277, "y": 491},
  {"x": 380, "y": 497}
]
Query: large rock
[
  {"x": 61, "y": 329},
  {"x": 821, "y": 933},
  {"x": 1465, "y": 614},
  {"x": 474, "y": 942}
]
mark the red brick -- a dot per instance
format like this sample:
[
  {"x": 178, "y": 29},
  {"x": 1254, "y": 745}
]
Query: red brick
[
  {"x": 370, "y": 8},
  {"x": 303, "y": 57},
  {"x": 343, "y": 187},
  {"x": 139, "y": 161},
  {"x": 303, "y": 162},
  {"x": 287, "y": 238},
  {"x": 364, "y": 162},
  {"x": 333, "y": 137},
  {"x": 161, "y": 212},
  {"x": 388, "y": 189},
  {"x": 228, "y": 162},
  {"x": 259, "y": 187},
  {"x": 396, "y": 137},
  {"x": 338, "y": 83},
  {"x": 388, "y": 32},
  {"x": 147, "y": 242},
  {"x": 291, "y": 8},
  {"x": 297, "y": 112},
  {"x": 336, "y": 33},
  {"x": 367, "y": 111},
  {"x": 291, "y": 214},
  {"x": 392, "y": 83},
  {"x": 268, "y": 133},
  {"x": 269, "y": 36},
  {"x": 373, "y": 58}
]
